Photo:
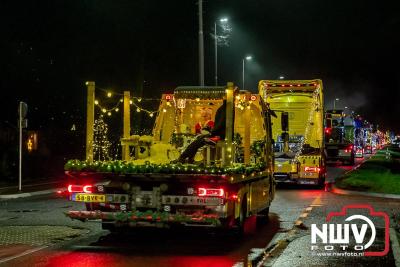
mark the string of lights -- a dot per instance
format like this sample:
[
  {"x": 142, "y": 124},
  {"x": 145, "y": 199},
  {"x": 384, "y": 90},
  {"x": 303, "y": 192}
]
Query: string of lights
[
  {"x": 140, "y": 109},
  {"x": 110, "y": 93},
  {"x": 110, "y": 110},
  {"x": 101, "y": 144},
  {"x": 315, "y": 105}
]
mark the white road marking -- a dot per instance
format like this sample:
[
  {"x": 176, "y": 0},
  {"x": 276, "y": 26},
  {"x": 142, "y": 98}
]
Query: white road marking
[{"x": 27, "y": 252}]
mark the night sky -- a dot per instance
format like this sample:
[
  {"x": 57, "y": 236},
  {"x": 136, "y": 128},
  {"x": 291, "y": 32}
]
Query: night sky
[{"x": 50, "y": 48}]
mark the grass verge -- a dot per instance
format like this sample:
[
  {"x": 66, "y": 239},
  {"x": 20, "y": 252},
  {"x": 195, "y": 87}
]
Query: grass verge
[{"x": 379, "y": 174}]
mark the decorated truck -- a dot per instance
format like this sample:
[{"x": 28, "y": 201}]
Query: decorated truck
[
  {"x": 298, "y": 131},
  {"x": 339, "y": 137},
  {"x": 229, "y": 179}
]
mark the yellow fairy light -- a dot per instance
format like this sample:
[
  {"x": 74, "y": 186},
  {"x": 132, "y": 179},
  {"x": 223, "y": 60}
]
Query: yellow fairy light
[
  {"x": 164, "y": 110},
  {"x": 104, "y": 110},
  {"x": 96, "y": 102},
  {"x": 117, "y": 109},
  {"x": 109, "y": 113},
  {"x": 109, "y": 94},
  {"x": 151, "y": 114},
  {"x": 139, "y": 99},
  {"x": 138, "y": 110},
  {"x": 121, "y": 100},
  {"x": 168, "y": 104},
  {"x": 197, "y": 99},
  {"x": 130, "y": 102}
]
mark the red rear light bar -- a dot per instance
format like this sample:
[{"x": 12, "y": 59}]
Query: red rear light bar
[
  {"x": 311, "y": 169},
  {"x": 79, "y": 188},
  {"x": 210, "y": 192}
]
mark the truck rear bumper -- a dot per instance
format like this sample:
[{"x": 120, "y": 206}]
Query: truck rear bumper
[
  {"x": 289, "y": 178},
  {"x": 132, "y": 218}
]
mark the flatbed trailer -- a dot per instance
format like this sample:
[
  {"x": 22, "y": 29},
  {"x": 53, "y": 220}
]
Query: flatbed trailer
[{"x": 228, "y": 182}]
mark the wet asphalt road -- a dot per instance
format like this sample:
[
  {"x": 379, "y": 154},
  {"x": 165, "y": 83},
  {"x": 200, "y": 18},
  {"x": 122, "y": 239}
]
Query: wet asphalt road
[{"x": 85, "y": 244}]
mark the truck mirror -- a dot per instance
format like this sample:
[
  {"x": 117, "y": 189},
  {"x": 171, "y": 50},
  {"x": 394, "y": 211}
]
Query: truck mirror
[{"x": 285, "y": 121}]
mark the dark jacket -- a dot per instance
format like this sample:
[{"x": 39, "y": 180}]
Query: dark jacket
[{"x": 220, "y": 122}]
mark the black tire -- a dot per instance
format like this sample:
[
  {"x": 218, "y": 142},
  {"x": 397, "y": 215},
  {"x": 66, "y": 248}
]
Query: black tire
[
  {"x": 262, "y": 216},
  {"x": 321, "y": 181},
  {"x": 242, "y": 217},
  {"x": 352, "y": 160}
]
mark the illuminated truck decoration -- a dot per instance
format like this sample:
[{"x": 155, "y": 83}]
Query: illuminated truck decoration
[
  {"x": 227, "y": 182},
  {"x": 340, "y": 137},
  {"x": 297, "y": 130}
]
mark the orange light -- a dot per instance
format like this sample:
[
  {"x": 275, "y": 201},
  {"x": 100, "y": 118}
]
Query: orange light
[
  {"x": 253, "y": 97},
  {"x": 311, "y": 169},
  {"x": 168, "y": 97}
]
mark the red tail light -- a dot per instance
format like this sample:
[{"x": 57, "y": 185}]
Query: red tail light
[
  {"x": 87, "y": 189},
  {"x": 210, "y": 192},
  {"x": 349, "y": 149},
  {"x": 311, "y": 169},
  {"x": 75, "y": 188},
  {"x": 328, "y": 130},
  {"x": 79, "y": 188}
]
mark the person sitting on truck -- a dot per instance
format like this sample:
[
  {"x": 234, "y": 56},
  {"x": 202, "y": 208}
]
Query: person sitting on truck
[{"x": 207, "y": 136}]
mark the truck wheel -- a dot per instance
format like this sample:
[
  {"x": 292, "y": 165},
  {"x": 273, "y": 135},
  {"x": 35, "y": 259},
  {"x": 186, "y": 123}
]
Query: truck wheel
[
  {"x": 321, "y": 181},
  {"x": 352, "y": 161},
  {"x": 242, "y": 216},
  {"x": 262, "y": 216}
]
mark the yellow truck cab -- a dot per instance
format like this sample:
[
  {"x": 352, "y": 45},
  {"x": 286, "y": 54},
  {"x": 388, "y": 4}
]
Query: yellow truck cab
[
  {"x": 227, "y": 182},
  {"x": 297, "y": 130}
]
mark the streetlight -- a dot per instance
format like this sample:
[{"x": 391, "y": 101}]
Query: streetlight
[
  {"x": 247, "y": 58},
  {"x": 222, "y": 20},
  {"x": 334, "y": 103}
]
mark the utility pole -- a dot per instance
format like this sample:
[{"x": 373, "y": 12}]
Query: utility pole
[
  {"x": 201, "y": 44},
  {"x": 243, "y": 74},
  {"x": 22, "y": 123},
  {"x": 216, "y": 53}
]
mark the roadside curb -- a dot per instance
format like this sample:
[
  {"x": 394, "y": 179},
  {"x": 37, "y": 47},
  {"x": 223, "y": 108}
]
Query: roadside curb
[
  {"x": 360, "y": 193},
  {"x": 30, "y": 194},
  {"x": 340, "y": 191},
  {"x": 395, "y": 247}
]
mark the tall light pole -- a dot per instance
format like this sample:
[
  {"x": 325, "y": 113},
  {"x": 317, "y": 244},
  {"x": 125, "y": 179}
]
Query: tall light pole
[
  {"x": 223, "y": 20},
  {"x": 201, "y": 44},
  {"x": 334, "y": 103},
  {"x": 247, "y": 58}
]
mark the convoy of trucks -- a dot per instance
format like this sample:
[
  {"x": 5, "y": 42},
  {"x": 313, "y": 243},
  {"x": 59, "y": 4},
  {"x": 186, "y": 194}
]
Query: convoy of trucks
[
  {"x": 280, "y": 134},
  {"x": 339, "y": 137},
  {"x": 298, "y": 132}
]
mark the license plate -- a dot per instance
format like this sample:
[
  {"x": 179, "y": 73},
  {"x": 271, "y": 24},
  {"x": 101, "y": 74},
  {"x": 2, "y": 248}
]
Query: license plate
[{"x": 89, "y": 198}]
